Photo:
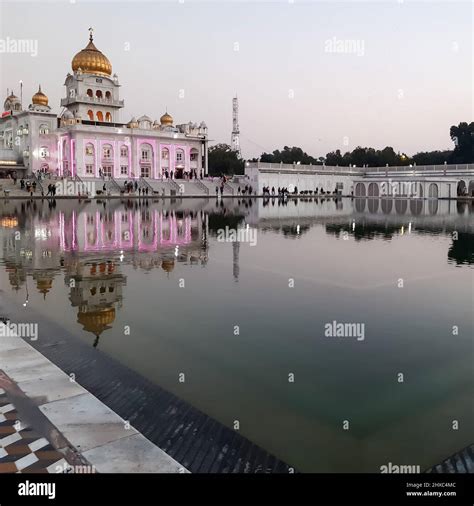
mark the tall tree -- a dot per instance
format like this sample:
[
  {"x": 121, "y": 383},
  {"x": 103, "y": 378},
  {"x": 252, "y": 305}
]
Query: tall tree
[
  {"x": 463, "y": 138},
  {"x": 223, "y": 160}
]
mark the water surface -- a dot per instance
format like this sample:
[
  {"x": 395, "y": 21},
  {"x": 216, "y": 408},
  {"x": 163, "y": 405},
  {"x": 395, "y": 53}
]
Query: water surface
[{"x": 153, "y": 285}]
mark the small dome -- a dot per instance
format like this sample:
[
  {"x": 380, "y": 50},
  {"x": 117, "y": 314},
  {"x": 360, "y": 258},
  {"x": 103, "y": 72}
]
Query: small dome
[
  {"x": 39, "y": 98},
  {"x": 12, "y": 102},
  {"x": 144, "y": 118},
  {"x": 133, "y": 123},
  {"x": 166, "y": 119},
  {"x": 92, "y": 61},
  {"x": 67, "y": 114}
]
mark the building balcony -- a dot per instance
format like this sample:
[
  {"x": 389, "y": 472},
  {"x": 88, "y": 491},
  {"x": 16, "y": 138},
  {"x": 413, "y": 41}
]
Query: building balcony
[{"x": 91, "y": 100}]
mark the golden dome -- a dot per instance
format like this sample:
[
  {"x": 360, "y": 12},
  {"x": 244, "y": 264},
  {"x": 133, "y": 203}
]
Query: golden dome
[
  {"x": 39, "y": 98},
  {"x": 166, "y": 119},
  {"x": 92, "y": 61},
  {"x": 97, "y": 321}
]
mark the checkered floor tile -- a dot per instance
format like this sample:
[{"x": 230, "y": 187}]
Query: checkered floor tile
[{"x": 22, "y": 450}]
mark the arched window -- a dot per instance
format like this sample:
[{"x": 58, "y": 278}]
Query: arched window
[
  {"x": 108, "y": 117},
  {"x": 194, "y": 154},
  {"x": 180, "y": 157},
  {"x": 373, "y": 190},
  {"x": 43, "y": 129},
  {"x": 433, "y": 191},
  {"x": 165, "y": 154},
  {"x": 90, "y": 93},
  {"x": 146, "y": 153},
  {"x": 100, "y": 116},
  {"x": 90, "y": 114},
  {"x": 107, "y": 152},
  {"x": 360, "y": 190},
  {"x": 108, "y": 96},
  {"x": 98, "y": 94},
  {"x": 461, "y": 188},
  {"x": 124, "y": 151},
  {"x": 89, "y": 151}
]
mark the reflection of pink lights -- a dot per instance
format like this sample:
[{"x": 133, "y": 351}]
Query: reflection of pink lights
[{"x": 165, "y": 231}]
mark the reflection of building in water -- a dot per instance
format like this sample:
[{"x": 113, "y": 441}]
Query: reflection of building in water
[
  {"x": 144, "y": 230},
  {"x": 16, "y": 275},
  {"x": 91, "y": 245},
  {"x": 44, "y": 281},
  {"x": 96, "y": 288}
]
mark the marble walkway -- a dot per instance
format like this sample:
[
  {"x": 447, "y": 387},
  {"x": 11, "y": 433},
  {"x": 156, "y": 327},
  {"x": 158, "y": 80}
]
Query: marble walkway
[{"x": 49, "y": 423}]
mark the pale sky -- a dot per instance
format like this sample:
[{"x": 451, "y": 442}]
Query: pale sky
[{"x": 408, "y": 78}]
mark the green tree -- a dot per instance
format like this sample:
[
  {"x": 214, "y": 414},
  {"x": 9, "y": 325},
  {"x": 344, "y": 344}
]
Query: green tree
[
  {"x": 463, "y": 138},
  {"x": 432, "y": 157},
  {"x": 289, "y": 155},
  {"x": 223, "y": 160}
]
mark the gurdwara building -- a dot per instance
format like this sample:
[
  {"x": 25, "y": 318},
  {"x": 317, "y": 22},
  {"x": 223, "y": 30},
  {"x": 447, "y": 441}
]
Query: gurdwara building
[{"x": 88, "y": 138}]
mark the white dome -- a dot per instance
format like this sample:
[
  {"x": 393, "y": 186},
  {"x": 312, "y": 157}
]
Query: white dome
[{"x": 68, "y": 115}]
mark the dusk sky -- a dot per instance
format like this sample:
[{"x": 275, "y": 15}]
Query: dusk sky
[{"x": 408, "y": 78}]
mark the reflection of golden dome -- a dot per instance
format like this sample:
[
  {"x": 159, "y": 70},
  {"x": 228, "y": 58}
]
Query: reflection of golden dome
[
  {"x": 167, "y": 265},
  {"x": 166, "y": 119},
  {"x": 92, "y": 61},
  {"x": 39, "y": 98},
  {"x": 97, "y": 321},
  {"x": 44, "y": 285}
]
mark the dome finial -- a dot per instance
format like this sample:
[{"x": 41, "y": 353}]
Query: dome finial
[{"x": 91, "y": 36}]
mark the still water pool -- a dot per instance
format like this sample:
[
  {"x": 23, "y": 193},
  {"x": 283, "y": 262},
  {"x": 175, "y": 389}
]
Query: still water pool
[{"x": 242, "y": 298}]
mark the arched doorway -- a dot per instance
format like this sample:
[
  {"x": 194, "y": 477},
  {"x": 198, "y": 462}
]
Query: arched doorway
[
  {"x": 180, "y": 164},
  {"x": 146, "y": 160},
  {"x": 433, "y": 191},
  {"x": 360, "y": 190},
  {"x": 461, "y": 189},
  {"x": 471, "y": 189},
  {"x": 373, "y": 190}
]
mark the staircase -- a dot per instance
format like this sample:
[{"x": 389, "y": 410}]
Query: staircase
[{"x": 202, "y": 186}]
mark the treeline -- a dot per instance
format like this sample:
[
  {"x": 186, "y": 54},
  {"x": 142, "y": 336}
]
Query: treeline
[{"x": 463, "y": 152}]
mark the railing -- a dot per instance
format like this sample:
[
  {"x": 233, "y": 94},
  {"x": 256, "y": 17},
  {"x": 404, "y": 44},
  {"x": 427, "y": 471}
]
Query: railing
[
  {"x": 201, "y": 185},
  {"x": 83, "y": 186},
  {"x": 421, "y": 168},
  {"x": 115, "y": 184},
  {"x": 301, "y": 168},
  {"x": 174, "y": 184},
  {"x": 395, "y": 168},
  {"x": 91, "y": 100},
  {"x": 143, "y": 183},
  {"x": 227, "y": 185}
]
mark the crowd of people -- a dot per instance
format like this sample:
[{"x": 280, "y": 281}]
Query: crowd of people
[{"x": 282, "y": 192}]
